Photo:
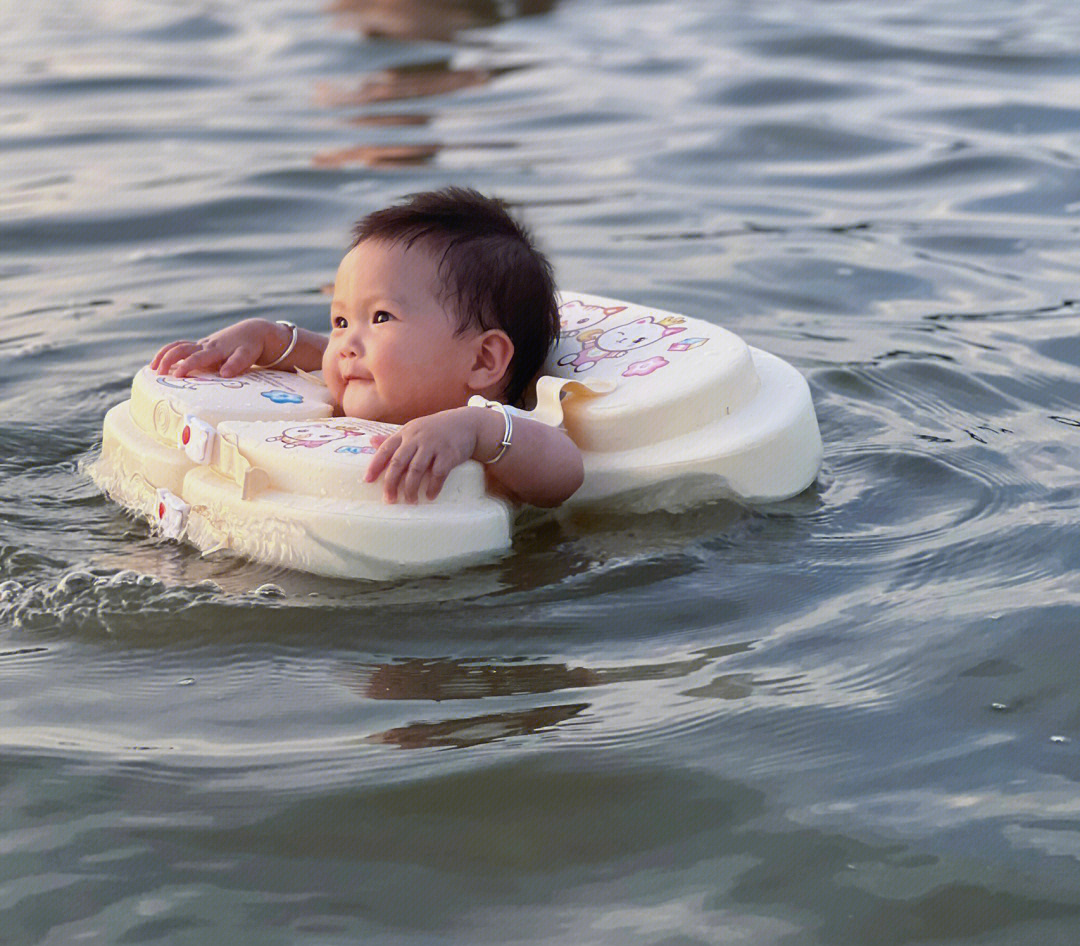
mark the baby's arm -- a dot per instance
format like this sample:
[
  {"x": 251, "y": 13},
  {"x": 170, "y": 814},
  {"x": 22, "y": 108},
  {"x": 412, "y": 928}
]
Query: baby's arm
[
  {"x": 542, "y": 466},
  {"x": 231, "y": 351}
]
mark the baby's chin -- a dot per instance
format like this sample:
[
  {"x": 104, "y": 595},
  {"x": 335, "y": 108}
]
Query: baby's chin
[
  {"x": 362, "y": 408},
  {"x": 349, "y": 402},
  {"x": 345, "y": 409}
]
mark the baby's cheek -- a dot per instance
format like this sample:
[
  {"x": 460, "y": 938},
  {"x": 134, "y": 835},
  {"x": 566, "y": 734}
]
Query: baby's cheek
[
  {"x": 328, "y": 366},
  {"x": 334, "y": 384},
  {"x": 347, "y": 404}
]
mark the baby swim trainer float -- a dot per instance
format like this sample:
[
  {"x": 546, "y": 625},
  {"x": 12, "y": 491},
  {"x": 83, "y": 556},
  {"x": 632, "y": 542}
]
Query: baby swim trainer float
[{"x": 258, "y": 463}]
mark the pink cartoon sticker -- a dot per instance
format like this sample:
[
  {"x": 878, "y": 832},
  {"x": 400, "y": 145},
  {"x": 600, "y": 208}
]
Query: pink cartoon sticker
[
  {"x": 577, "y": 316},
  {"x": 313, "y": 435},
  {"x": 641, "y": 368},
  {"x": 616, "y": 342},
  {"x": 685, "y": 344}
]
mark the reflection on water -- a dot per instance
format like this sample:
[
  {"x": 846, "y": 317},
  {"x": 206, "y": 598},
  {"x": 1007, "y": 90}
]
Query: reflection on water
[
  {"x": 431, "y": 19},
  {"x": 460, "y": 679},
  {"x": 411, "y": 80},
  {"x": 477, "y": 730},
  {"x": 389, "y": 86},
  {"x": 406, "y": 82},
  {"x": 376, "y": 156},
  {"x": 439, "y": 681}
]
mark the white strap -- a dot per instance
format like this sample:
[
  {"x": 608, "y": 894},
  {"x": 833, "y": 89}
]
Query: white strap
[{"x": 549, "y": 390}]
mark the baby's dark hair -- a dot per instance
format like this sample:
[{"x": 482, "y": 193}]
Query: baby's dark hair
[{"x": 491, "y": 271}]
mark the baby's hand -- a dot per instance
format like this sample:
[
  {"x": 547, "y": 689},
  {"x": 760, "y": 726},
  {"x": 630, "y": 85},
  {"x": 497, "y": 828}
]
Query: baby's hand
[
  {"x": 229, "y": 352},
  {"x": 426, "y": 447}
]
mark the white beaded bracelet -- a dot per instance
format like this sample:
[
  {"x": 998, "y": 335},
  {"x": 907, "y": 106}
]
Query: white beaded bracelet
[
  {"x": 508, "y": 424},
  {"x": 288, "y": 348}
]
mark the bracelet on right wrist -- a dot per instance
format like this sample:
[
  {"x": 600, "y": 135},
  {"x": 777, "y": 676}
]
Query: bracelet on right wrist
[{"x": 288, "y": 348}]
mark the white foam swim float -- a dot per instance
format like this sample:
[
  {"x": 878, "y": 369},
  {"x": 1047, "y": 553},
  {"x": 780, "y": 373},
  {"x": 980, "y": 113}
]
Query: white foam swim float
[{"x": 258, "y": 464}]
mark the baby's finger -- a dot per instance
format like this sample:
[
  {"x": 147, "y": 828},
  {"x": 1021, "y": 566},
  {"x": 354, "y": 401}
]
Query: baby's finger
[
  {"x": 395, "y": 470},
  {"x": 171, "y": 354},
  {"x": 382, "y": 456},
  {"x": 204, "y": 359},
  {"x": 239, "y": 361},
  {"x": 176, "y": 356},
  {"x": 440, "y": 470},
  {"x": 414, "y": 476},
  {"x": 161, "y": 351}
]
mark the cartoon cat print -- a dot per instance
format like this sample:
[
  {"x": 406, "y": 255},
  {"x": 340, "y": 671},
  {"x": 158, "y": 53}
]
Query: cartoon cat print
[
  {"x": 577, "y": 316},
  {"x": 616, "y": 342},
  {"x": 313, "y": 435},
  {"x": 194, "y": 381}
]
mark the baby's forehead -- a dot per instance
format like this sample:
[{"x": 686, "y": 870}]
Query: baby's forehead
[{"x": 421, "y": 262}]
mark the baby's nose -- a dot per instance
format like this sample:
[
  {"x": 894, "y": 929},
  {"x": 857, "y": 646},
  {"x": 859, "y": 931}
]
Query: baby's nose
[{"x": 351, "y": 345}]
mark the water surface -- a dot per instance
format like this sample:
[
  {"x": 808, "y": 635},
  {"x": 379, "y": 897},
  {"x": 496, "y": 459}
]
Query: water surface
[{"x": 850, "y": 718}]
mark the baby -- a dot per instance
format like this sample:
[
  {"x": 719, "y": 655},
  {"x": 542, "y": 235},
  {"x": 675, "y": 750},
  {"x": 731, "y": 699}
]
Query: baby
[{"x": 441, "y": 297}]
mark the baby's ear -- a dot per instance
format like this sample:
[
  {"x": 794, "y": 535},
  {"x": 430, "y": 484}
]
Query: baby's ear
[{"x": 494, "y": 350}]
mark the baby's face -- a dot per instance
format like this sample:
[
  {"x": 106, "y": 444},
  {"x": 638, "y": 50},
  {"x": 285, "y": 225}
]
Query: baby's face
[{"x": 394, "y": 353}]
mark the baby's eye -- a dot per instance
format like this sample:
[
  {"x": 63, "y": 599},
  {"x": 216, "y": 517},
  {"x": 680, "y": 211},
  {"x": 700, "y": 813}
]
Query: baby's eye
[
  {"x": 339, "y": 321},
  {"x": 381, "y": 316}
]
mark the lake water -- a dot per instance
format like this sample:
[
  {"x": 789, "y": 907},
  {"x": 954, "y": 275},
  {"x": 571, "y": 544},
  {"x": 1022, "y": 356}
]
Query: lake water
[{"x": 850, "y": 718}]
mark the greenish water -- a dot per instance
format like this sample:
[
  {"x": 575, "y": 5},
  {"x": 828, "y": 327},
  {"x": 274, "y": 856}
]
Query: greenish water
[{"x": 850, "y": 718}]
